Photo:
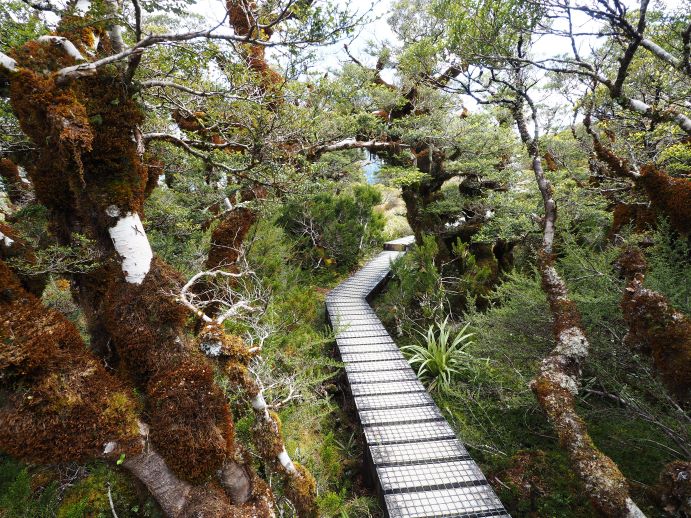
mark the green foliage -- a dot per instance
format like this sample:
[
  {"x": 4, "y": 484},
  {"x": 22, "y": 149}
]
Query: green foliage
[
  {"x": 40, "y": 493},
  {"x": 80, "y": 256},
  {"x": 676, "y": 159},
  {"x": 334, "y": 230},
  {"x": 401, "y": 176},
  {"x": 89, "y": 496},
  {"x": 478, "y": 28},
  {"x": 175, "y": 222},
  {"x": 19, "y": 25},
  {"x": 296, "y": 364},
  {"x": 337, "y": 505},
  {"x": 416, "y": 296},
  {"x": 669, "y": 261},
  {"x": 441, "y": 358},
  {"x": 18, "y": 499}
]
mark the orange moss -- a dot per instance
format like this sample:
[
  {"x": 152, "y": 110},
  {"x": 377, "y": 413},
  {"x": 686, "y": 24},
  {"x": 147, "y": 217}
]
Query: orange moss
[
  {"x": 191, "y": 423},
  {"x": 551, "y": 162},
  {"x": 227, "y": 238},
  {"x": 240, "y": 16},
  {"x": 301, "y": 490},
  {"x": 240, "y": 378},
  {"x": 145, "y": 325},
  {"x": 617, "y": 165},
  {"x": 640, "y": 216},
  {"x": 267, "y": 438},
  {"x": 84, "y": 131},
  {"x": 631, "y": 262},
  {"x": 670, "y": 196},
  {"x": 62, "y": 404},
  {"x": 83, "y": 33},
  {"x": 189, "y": 121}
]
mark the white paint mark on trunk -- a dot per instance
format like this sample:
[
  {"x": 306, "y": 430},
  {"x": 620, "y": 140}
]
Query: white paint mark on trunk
[
  {"x": 109, "y": 447},
  {"x": 131, "y": 243}
]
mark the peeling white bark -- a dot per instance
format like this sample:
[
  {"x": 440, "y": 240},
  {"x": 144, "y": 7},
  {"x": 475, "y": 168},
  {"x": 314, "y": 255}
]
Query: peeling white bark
[
  {"x": 660, "y": 52},
  {"x": 67, "y": 45},
  {"x": 285, "y": 461},
  {"x": 7, "y": 62},
  {"x": 130, "y": 241},
  {"x": 115, "y": 31},
  {"x": 259, "y": 404},
  {"x": 638, "y": 106},
  {"x": 6, "y": 240},
  {"x": 632, "y": 510}
]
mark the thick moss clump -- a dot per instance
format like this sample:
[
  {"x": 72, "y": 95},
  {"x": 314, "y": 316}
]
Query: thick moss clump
[
  {"x": 670, "y": 196},
  {"x": 190, "y": 422},
  {"x": 228, "y": 236},
  {"x": 63, "y": 405}
]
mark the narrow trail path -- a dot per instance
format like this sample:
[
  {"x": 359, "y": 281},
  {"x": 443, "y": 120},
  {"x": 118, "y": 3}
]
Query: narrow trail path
[{"x": 420, "y": 468}]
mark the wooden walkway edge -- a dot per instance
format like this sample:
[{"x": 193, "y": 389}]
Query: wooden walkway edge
[{"x": 420, "y": 468}]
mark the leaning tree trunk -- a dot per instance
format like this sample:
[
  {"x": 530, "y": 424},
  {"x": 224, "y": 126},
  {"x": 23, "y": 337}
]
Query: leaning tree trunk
[
  {"x": 669, "y": 196},
  {"x": 557, "y": 384},
  {"x": 655, "y": 327},
  {"x": 89, "y": 174}
]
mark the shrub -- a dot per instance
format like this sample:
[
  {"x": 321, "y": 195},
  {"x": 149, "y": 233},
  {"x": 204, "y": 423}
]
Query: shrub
[{"x": 334, "y": 229}]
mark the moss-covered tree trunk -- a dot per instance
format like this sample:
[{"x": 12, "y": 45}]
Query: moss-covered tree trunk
[
  {"x": 89, "y": 173},
  {"x": 557, "y": 384}
]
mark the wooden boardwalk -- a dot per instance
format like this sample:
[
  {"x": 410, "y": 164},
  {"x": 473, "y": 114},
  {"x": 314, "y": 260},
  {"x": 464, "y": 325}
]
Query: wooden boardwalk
[{"x": 420, "y": 468}]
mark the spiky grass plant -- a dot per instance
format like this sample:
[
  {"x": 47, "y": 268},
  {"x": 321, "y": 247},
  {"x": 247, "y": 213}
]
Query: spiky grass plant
[{"x": 441, "y": 358}]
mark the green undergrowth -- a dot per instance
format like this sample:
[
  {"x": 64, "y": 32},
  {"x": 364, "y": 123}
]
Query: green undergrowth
[
  {"x": 298, "y": 371},
  {"x": 298, "y": 366},
  {"x": 70, "y": 492},
  {"x": 491, "y": 405}
]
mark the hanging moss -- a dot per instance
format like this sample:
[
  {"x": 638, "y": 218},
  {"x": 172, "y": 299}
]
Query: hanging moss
[{"x": 640, "y": 216}]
